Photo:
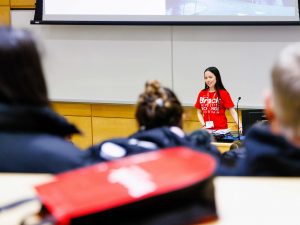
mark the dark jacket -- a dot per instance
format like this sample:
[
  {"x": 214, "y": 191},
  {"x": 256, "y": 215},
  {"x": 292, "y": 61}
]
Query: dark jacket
[
  {"x": 150, "y": 140},
  {"x": 32, "y": 141},
  {"x": 268, "y": 155}
]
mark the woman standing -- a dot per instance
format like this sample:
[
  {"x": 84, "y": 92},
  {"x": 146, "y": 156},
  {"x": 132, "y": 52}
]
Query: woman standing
[{"x": 213, "y": 101}]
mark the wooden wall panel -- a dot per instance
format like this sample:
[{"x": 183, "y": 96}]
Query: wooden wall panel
[
  {"x": 4, "y": 2},
  {"x": 72, "y": 109},
  {"x": 190, "y": 113},
  {"x": 190, "y": 126},
  {"x": 22, "y": 4},
  {"x": 100, "y": 122},
  {"x": 112, "y": 110},
  {"x": 85, "y": 125},
  {"x": 80, "y": 115},
  {"x": 4, "y": 15},
  {"x": 233, "y": 126},
  {"x": 105, "y": 128},
  {"x": 229, "y": 117}
]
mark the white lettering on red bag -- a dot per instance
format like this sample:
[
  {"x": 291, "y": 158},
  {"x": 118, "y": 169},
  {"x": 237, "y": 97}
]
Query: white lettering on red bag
[{"x": 134, "y": 178}]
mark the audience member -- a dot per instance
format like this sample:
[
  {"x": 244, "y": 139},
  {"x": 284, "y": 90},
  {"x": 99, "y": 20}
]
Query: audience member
[
  {"x": 159, "y": 116},
  {"x": 236, "y": 152},
  {"x": 32, "y": 136},
  {"x": 274, "y": 149}
]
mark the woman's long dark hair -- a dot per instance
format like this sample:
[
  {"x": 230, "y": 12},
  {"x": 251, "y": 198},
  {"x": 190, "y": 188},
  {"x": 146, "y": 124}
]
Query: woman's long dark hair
[
  {"x": 22, "y": 80},
  {"x": 219, "y": 84}
]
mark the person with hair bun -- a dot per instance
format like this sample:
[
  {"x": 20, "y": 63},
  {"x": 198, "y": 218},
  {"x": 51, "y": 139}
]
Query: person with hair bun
[
  {"x": 158, "y": 106},
  {"x": 159, "y": 116}
]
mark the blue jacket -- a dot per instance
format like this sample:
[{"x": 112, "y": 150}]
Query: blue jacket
[
  {"x": 268, "y": 155},
  {"x": 32, "y": 140},
  {"x": 151, "y": 140}
]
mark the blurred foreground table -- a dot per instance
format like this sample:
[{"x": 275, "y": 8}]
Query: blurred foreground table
[
  {"x": 15, "y": 187},
  {"x": 257, "y": 201},
  {"x": 240, "y": 200}
]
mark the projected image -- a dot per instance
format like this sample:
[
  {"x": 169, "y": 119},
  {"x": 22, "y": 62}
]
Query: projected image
[
  {"x": 231, "y": 7},
  {"x": 168, "y": 11},
  {"x": 105, "y": 7}
]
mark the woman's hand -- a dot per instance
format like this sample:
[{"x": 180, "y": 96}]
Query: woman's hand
[{"x": 241, "y": 130}]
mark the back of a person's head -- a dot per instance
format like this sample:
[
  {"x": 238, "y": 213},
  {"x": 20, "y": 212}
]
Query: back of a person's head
[
  {"x": 286, "y": 90},
  {"x": 21, "y": 77},
  {"x": 158, "y": 106}
]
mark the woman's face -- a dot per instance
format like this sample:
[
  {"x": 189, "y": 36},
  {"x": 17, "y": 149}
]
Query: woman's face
[{"x": 210, "y": 79}]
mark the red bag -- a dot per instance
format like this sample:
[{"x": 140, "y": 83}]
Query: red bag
[{"x": 170, "y": 186}]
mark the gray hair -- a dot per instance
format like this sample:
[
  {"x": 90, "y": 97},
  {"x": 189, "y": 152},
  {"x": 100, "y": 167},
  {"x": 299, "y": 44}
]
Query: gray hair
[{"x": 286, "y": 90}]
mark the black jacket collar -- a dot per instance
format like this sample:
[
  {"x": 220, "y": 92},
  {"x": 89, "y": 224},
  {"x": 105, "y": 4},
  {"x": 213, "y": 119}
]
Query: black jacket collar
[
  {"x": 261, "y": 137},
  {"x": 34, "y": 120}
]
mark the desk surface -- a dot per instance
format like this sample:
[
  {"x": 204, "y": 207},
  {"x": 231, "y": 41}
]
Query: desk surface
[
  {"x": 258, "y": 200},
  {"x": 239, "y": 200},
  {"x": 14, "y": 187},
  {"x": 222, "y": 146}
]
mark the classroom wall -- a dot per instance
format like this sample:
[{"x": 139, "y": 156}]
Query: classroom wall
[
  {"x": 99, "y": 122},
  {"x": 105, "y": 67},
  {"x": 109, "y": 64},
  {"x": 4, "y": 12}
]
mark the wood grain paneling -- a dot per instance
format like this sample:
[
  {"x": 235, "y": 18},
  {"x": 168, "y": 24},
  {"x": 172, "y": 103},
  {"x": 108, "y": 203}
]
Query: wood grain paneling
[
  {"x": 80, "y": 115},
  {"x": 4, "y": 15},
  {"x": 100, "y": 122},
  {"x": 22, "y": 4},
  {"x": 112, "y": 110},
  {"x": 4, "y": 2},
  {"x": 85, "y": 125},
  {"x": 105, "y": 128},
  {"x": 190, "y": 126},
  {"x": 72, "y": 109},
  {"x": 190, "y": 113},
  {"x": 233, "y": 126}
]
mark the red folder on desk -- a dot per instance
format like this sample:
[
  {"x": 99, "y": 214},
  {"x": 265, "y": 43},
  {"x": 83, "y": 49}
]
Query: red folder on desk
[{"x": 166, "y": 187}]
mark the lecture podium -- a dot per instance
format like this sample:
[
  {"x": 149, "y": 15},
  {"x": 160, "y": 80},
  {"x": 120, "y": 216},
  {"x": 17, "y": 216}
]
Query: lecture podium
[{"x": 240, "y": 200}]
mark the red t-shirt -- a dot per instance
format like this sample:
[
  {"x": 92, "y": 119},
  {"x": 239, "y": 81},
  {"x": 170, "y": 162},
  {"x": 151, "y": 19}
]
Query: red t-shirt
[{"x": 213, "y": 108}]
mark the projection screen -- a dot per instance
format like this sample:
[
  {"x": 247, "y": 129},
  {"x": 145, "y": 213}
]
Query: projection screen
[{"x": 167, "y": 11}]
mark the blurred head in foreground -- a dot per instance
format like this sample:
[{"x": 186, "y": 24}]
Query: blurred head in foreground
[
  {"x": 21, "y": 77},
  {"x": 283, "y": 103},
  {"x": 32, "y": 135}
]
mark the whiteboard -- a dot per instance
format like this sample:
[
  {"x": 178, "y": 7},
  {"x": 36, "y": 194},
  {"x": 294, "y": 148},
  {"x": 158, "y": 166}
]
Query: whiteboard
[
  {"x": 244, "y": 56},
  {"x": 110, "y": 64},
  {"x": 105, "y": 64}
]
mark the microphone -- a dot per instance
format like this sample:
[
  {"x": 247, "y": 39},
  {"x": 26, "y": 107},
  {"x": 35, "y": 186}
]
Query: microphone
[{"x": 238, "y": 123}]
